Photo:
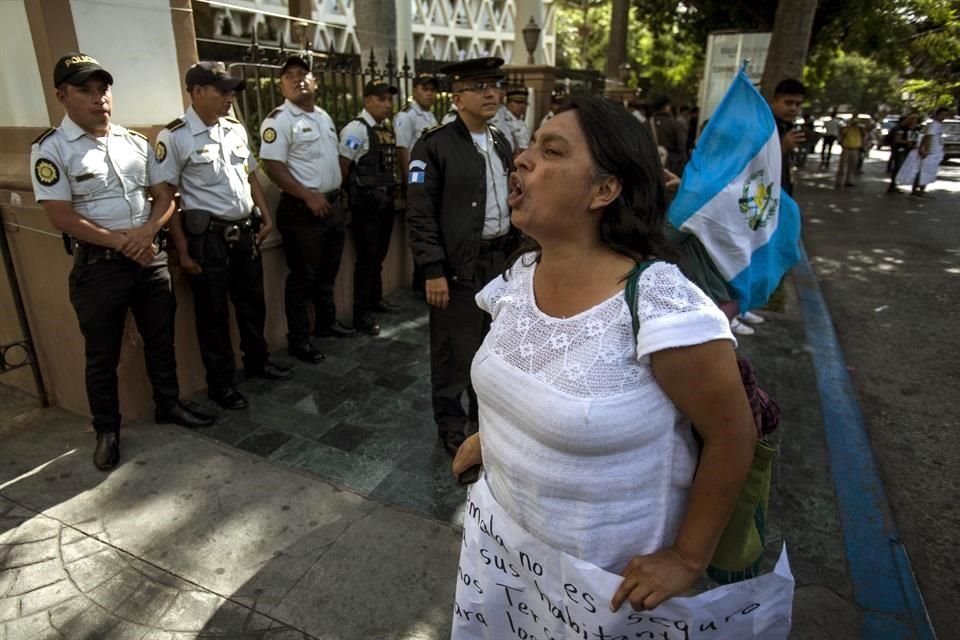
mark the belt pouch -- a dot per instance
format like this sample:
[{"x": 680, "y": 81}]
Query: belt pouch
[{"x": 196, "y": 221}]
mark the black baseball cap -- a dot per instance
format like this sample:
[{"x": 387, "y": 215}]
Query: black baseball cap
[
  {"x": 75, "y": 68},
  {"x": 208, "y": 72},
  {"x": 379, "y": 88},
  {"x": 294, "y": 61},
  {"x": 425, "y": 79}
]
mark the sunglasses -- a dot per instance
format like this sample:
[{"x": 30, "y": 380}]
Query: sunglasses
[{"x": 481, "y": 87}]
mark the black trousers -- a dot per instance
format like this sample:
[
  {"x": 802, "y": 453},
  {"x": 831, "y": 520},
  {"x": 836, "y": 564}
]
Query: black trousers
[
  {"x": 101, "y": 294},
  {"x": 372, "y": 224},
  {"x": 313, "y": 247},
  {"x": 456, "y": 334},
  {"x": 232, "y": 272}
]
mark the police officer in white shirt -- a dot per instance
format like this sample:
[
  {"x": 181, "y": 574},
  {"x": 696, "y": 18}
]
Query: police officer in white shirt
[
  {"x": 502, "y": 120},
  {"x": 368, "y": 161},
  {"x": 206, "y": 155},
  {"x": 416, "y": 117},
  {"x": 517, "y": 101},
  {"x": 299, "y": 152},
  {"x": 93, "y": 179}
]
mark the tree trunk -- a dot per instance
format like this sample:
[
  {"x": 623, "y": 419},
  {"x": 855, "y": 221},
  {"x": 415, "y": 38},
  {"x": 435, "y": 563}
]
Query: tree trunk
[
  {"x": 789, "y": 43},
  {"x": 617, "y": 51}
]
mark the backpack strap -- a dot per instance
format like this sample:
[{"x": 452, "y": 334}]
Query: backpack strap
[{"x": 630, "y": 292}]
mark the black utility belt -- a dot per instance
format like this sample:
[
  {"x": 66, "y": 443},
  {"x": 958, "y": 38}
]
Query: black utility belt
[
  {"x": 85, "y": 254},
  {"x": 198, "y": 222},
  {"x": 331, "y": 196},
  {"x": 500, "y": 243}
]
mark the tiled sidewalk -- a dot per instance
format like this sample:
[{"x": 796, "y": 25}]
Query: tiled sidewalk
[{"x": 361, "y": 419}]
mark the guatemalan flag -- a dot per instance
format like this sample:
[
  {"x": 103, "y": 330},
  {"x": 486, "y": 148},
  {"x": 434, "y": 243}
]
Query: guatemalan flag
[{"x": 730, "y": 197}]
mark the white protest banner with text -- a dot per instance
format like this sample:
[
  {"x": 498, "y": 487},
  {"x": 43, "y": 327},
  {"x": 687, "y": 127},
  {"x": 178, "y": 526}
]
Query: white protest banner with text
[{"x": 511, "y": 585}]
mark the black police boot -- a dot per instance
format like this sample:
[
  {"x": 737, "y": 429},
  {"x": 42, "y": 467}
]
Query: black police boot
[
  {"x": 335, "y": 330},
  {"x": 228, "y": 397},
  {"x": 385, "y": 306},
  {"x": 269, "y": 371},
  {"x": 366, "y": 323},
  {"x": 184, "y": 416},
  {"x": 107, "y": 454},
  {"x": 306, "y": 352}
]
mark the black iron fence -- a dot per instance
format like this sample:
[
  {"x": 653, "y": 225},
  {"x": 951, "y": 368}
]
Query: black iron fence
[{"x": 340, "y": 81}]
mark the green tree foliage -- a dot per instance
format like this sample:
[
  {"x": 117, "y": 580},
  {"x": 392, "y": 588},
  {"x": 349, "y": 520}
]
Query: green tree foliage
[{"x": 838, "y": 80}]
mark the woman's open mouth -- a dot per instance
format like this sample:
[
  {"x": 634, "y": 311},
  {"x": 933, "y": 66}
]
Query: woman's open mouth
[{"x": 516, "y": 190}]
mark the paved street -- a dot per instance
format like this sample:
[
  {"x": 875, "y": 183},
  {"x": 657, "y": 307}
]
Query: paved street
[
  {"x": 889, "y": 267},
  {"x": 327, "y": 511}
]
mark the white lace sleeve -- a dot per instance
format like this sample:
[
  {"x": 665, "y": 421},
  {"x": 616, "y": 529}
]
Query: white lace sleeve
[
  {"x": 674, "y": 312},
  {"x": 497, "y": 288}
]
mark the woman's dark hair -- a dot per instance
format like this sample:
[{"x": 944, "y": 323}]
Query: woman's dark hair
[{"x": 633, "y": 224}]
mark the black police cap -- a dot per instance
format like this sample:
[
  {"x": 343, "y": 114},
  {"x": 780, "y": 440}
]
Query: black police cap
[
  {"x": 208, "y": 72},
  {"x": 379, "y": 88},
  {"x": 76, "y": 68},
  {"x": 423, "y": 79},
  {"x": 294, "y": 61},
  {"x": 475, "y": 68},
  {"x": 517, "y": 92}
]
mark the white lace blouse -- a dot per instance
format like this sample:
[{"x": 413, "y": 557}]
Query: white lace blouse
[{"x": 580, "y": 444}]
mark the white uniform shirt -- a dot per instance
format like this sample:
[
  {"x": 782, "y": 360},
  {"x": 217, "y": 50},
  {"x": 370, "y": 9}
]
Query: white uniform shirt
[
  {"x": 496, "y": 220},
  {"x": 211, "y": 165},
  {"x": 935, "y": 131},
  {"x": 106, "y": 179},
  {"x": 832, "y": 127},
  {"x": 354, "y": 141},
  {"x": 502, "y": 120},
  {"x": 520, "y": 132},
  {"x": 410, "y": 124},
  {"x": 306, "y": 141}
]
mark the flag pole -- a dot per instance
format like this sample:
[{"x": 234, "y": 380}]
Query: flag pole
[{"x": 744, "y": 64}]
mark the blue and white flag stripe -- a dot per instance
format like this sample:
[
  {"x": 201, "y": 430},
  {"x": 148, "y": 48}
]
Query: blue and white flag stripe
[{"x": 730, "y": 197}]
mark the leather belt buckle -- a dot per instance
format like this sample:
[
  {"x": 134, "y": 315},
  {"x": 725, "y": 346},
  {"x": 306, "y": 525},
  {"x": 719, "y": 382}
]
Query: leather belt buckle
[{"x": 231, "y": 233}]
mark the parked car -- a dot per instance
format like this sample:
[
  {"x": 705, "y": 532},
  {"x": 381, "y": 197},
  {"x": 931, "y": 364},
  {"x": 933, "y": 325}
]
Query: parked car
[
  {"x": 887, "y": 125},
  {"x": 951, "y": 139}
]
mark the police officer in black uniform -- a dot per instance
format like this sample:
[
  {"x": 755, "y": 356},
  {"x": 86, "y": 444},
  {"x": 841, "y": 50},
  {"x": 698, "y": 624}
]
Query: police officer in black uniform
[
  {"x": 223, "y": 219},
  {"x": 94, "y": 179},
  {"x": 460, "y": 233},
  {"x": 368, "y": 161}
]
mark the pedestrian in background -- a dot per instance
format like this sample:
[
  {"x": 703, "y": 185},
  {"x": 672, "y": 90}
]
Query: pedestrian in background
[
  {"x": 669, "y": 135},
  {"x": 99, "y": 185},
  {"x": 205, "y": 155},
  {"x": 299, "y": 149},
  {"x": 922, "y": 164},
  {"x": 368, "y": 162},
  {"x": 832, "y": 130},
  {"x": 905, "y": 138},
  {"x": 787, "y": 101},
  {"x": 852, "y": 138}
]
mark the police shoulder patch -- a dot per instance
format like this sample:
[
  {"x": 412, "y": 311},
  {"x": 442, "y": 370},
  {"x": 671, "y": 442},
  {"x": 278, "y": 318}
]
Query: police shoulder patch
[
  {"x": 46, "y": 172},
  {"x": 173, "y": 125},
  {"x": 160, "y": 151},
  {"x": 269, "y": 135},
  {"x": 138, "y": 134},
  {"x": 43, "y": 136}
]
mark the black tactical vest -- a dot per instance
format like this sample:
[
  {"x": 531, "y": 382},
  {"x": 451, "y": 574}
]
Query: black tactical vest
[{"x": 378, "y": 166}]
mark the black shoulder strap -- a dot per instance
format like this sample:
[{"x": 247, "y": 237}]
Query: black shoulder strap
[{"x": 630, "y": 292}]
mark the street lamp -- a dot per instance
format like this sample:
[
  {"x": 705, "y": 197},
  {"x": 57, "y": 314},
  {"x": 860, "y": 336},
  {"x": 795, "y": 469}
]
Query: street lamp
[{"x": 531, "y": 36}]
